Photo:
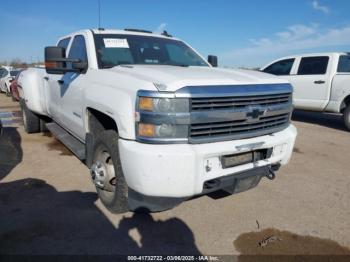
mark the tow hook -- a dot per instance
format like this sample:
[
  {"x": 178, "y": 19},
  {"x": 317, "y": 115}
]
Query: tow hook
[{"x": 271, "y": 174}]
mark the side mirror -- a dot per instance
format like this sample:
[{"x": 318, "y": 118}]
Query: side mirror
[
  {"x": 213, "y": 60},
  {"x": 54, "y": 57},
  {"x": 80, "y": 66},
  {"x": 56, "y": 61}
]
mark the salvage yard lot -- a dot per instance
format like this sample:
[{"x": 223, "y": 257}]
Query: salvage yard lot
[{"x": 48, "y": 204}]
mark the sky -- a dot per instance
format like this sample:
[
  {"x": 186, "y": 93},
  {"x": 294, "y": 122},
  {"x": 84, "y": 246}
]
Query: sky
[{"x": 242, "y": 33}]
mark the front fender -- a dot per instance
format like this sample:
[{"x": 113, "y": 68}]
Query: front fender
[{"x": 115, "y": 103}]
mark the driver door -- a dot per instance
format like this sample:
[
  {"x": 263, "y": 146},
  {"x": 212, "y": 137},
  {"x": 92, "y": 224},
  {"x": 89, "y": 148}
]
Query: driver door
[{"x": 71, "y": 91}]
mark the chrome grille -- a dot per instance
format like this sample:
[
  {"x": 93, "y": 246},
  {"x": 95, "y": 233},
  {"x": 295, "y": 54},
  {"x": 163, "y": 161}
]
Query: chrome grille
[
  {"x": 228, "y": 118},
  {"x": 265, "y": 124},
  {"x": 238, "y": 102}
]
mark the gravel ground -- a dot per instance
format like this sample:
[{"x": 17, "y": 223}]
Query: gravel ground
[{"x": 48, "y": 204}]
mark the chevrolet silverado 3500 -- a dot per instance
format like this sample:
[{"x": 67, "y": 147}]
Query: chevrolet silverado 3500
[{"x": 154, "y": 121}]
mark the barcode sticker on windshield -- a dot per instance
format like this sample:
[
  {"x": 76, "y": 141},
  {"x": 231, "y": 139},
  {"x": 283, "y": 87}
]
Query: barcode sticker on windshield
[{"x": 116, "y": 43}]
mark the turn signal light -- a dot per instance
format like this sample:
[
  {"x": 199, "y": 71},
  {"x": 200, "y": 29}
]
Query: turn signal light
[
  {"x": 146, "y": 103},
  {"x": 50, "y": 64},
  {"x": 146, "y": 130}
]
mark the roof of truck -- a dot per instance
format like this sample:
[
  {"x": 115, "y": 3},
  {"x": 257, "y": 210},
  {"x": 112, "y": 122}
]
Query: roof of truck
[
  {"x": 131, "y": 32},
  {"x": 123, "y": 32}
]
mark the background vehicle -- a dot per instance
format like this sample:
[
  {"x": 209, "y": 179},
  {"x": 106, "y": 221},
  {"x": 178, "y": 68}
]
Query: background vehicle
[
  {"x": 7, "y": 78},
  {"x": 14, "y": 86},
  {"x": 4, "y": 73},
  {"x": 156, "y": 123},
  {"x": 321, "y": 81}
]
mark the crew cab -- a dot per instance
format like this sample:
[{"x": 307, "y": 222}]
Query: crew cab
[
  {"x": 154, "y": 121},
  {"x": 321, "y": 81}
]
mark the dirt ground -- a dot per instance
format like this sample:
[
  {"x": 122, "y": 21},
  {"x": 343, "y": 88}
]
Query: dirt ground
[{"x": 48, "y": 204}]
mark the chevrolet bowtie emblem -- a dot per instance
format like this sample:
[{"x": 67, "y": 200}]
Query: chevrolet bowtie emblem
[{"x": 254, "y": 113}]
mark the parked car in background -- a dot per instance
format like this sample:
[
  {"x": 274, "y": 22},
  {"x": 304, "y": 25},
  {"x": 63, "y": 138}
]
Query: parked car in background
[
  {"x": 5, "y": 81},
  {"x": 321, "y": 81},
  {"x": 154, "y": 121},
  {"x": 15, "y": 86},
  {"x": 4, "y": 73}
]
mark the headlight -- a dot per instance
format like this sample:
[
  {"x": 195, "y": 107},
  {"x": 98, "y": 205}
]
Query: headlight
[
  {"x": 161, "y": 118},
  {"x": 163, "y": 105},
  {"x": 163, "y": 131}
]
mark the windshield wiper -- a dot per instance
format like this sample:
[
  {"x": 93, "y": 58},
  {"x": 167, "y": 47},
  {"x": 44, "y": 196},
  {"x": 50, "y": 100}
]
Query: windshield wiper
[{"x": 181, "y": 65}]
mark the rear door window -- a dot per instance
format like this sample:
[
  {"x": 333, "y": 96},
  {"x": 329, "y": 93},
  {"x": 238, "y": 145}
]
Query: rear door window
[
  {"x": 280, "y": 68},
  {"x": 316, "y": 65},
  {"x": 344, "y": 64}
]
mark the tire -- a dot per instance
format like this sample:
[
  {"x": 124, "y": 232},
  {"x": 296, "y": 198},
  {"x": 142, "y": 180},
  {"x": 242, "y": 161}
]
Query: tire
[
  {"x": 346, "y": 117},
  {"x": 31, "y": 121},
  {"x": 111, "y": 187}
]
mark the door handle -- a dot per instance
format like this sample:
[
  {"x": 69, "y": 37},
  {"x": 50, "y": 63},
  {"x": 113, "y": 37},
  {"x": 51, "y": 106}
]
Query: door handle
[
  {"x": 46, "y": 78},
  {"x": 61, "y": 82},
  {"x": 319, "y": 82}
]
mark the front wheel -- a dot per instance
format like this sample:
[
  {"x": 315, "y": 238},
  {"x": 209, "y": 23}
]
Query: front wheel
[
  {"x": 107, "y": 173},
  {"x": 346, "y": 117}
]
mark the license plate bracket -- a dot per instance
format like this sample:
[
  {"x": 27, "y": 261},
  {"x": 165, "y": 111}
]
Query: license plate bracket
[{"x": 233, "y": 160}]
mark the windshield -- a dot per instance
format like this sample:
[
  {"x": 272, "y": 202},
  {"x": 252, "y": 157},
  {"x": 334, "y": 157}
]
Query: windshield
[{"x": 113, "y": 50}]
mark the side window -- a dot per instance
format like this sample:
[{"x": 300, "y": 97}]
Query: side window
[
  {"x": 316, "y": 65},
  {"x": 280, "y": 68},
  {"x": 78, "y": 49},
  {"x": 344, "y": 64},
  {"x": 64, "y": 43}
]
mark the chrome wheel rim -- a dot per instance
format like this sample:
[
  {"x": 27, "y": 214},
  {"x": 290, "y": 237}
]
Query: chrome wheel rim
[{"x": 103, "y": 172}]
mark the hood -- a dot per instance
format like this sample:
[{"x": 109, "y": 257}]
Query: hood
[{"x": 172, "y": 78}]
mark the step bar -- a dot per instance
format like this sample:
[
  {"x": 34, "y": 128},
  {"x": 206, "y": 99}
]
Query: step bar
[{"x": 73, "y": 144}]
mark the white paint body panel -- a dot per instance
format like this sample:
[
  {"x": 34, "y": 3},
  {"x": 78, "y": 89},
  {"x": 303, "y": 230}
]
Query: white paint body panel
[
  {"x": 179, "y": 170},
  {"x": 33, "y": 90}
]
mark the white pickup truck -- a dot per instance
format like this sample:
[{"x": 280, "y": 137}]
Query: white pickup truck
[
  {"x": 321, "y": 81},
  {"x": 155, "y": 122}
]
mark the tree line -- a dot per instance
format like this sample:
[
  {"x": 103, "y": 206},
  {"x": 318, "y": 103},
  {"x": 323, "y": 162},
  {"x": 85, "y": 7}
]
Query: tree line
[{"x": 18, "y": 63}]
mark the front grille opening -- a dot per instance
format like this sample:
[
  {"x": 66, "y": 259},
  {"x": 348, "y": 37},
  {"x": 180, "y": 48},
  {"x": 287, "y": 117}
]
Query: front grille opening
[
  {"x": 274, "y": 110},
  {"x": 238, "y": 102},
  {"x": 234, "y": 127}
]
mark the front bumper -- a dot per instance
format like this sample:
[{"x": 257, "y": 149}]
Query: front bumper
[{"x": 180, "y": 170}]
